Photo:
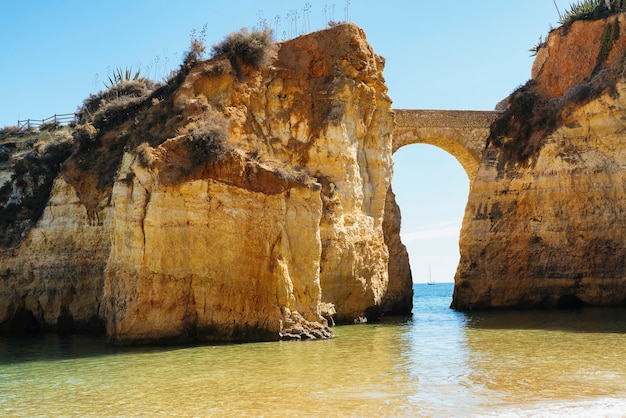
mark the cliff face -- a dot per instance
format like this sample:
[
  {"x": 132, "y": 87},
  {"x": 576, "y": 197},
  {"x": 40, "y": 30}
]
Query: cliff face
[
  {"x": 54, "y": 279},
  {"x": 324, "y": 109},
  {"x": 211, "y": 260},
  {"x": 574, "y": 54},
  {"x": 545, "y": 224},
  {"x": 238, "y": 204},
  {"x": 52, "y": 254}
]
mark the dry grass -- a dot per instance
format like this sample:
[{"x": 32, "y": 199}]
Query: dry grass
[
  {"x": 207, "y": 137},
  {"x": 112, "y": 104},
  {"x": 256, "y": 49},
  {"x": 145, "y": 154},
  {"x": 530, "y": 118}
]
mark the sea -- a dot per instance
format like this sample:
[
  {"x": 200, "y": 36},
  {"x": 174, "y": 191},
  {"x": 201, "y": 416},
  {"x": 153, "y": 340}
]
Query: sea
[{"x": 437, "y": 363}]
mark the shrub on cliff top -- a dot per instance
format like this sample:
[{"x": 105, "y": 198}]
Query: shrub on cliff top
[
  {"x": 256, "y": 48},
  {"x": 196, "y": 50},
  {"x": 8, "y": 131},
  {"x": 98, "y": 107},
  {"x": 119, "y": 77},
  {"x": 591, "y": 10}
]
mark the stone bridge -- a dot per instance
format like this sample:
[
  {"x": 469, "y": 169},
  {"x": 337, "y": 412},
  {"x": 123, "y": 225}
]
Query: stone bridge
[{"x": 462, "y": 133}]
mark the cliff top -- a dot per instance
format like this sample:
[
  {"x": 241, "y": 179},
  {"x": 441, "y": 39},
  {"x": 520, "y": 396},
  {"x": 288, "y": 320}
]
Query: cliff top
[
  {"x": 185, "y": 123},
  {"x": 578, "y": 52},
  {"x": 579, "y": 62}
]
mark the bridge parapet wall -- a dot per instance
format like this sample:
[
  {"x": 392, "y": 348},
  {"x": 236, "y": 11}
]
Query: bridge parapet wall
[{"x": 448, "y": 118}]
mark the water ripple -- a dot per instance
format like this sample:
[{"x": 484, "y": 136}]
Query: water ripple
[{"x": 438, "y": 363}]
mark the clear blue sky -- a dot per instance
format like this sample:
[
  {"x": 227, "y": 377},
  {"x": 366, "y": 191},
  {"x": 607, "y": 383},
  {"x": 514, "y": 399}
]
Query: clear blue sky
[{"x": 454, "y": 54}]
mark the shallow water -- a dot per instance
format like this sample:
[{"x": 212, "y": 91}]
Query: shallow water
[{"x": 438, "y": 363}]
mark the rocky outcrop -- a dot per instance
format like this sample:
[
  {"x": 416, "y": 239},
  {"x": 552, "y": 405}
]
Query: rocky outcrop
[
  {"x": 211, "y": 260},
  {"x": 574, "y": 53},
  {"x": 235, "y": 203},
  {"x": 398, "y": 298},
  {"x": 545, "y": 224},
  {"x": 53, "y": 281},
  {"x": 52, "y": 255},
  {"x": 326, "y": 111}
]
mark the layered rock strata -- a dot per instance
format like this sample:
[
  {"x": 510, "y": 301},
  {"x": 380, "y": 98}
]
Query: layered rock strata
[
  {"x": 234, "y": 204},
  {"x": 545, "y": 224},
  {"x": 211, "y": 260}
]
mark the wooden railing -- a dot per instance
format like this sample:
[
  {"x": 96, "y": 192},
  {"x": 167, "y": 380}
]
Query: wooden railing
[{"x": 55, "y": 120}]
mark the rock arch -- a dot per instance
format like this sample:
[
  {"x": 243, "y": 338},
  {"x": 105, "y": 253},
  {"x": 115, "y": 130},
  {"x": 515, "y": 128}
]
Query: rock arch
[{"x": 462, "y": 133}]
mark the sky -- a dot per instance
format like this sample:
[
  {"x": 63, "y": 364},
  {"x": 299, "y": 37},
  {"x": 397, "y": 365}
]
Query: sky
[{"x": 454, "y": 54}]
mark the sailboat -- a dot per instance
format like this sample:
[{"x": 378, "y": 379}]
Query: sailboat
[{"x": 430, "y": 279}]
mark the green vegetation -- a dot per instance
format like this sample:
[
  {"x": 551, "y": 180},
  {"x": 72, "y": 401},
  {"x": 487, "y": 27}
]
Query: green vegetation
[
  {"x": 119, "y": 77},
  {"x": 206, "y": 141},
  {"x": 524, "y": 125},
  {"x": 145, "y": 154},
  {"x": 622, "y": 64},
  {"x": 535, "y": 49},
  {"x": 214, "y": 68},
  {"x": 608, "y": 38},
  {"x": 10, "y": 131},
  {"x": 35, "y": 156},
  {"x": 95, "y": 143},
  {"x": 530, "y": 117},
  {"x": 591, "y": 10}
]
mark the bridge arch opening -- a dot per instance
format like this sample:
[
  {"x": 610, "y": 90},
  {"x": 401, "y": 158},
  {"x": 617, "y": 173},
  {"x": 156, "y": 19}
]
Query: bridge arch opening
[
  {"x": 449, "y": 141},
  {"x": 431, "y": 187}
]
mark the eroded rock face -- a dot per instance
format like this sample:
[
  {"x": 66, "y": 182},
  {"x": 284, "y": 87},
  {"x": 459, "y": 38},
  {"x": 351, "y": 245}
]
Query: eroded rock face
[
  {"x": 545, "y": 224},
  {"x": 211, "y": 261},
  {"x": 398, "y": 298},
  {"x": 238, "y": 204},
  {"x": 325, "y": 111},
  {"x": 57, "y": 273},
  {"x": 573, "y": 54}
]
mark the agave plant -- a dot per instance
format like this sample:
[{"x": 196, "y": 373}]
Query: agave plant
[
  {"x": 119, "y": 76},
  {"x": 591, "y": 9},
  {"x": 580, "y": 10},
  {"x": 535, "y": 49}
]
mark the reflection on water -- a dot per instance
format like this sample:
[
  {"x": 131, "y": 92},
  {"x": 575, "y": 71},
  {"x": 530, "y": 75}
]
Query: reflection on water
[
  {"x": 437, "y": 363},
  {"x": 549, "y": 354},
  {"x": 357, "y": 372}
]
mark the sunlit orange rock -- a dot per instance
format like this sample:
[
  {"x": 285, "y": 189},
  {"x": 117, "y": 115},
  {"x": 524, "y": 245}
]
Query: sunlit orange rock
[
  {"x": 545, "y": 224},
  {"x": 233, "y": 204}
]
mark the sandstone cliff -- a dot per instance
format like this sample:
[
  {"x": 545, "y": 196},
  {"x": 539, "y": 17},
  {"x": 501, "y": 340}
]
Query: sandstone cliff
[
  {"x": 52, "y": 254},
  {"x": 545, "y": 224},
  {"x": 235, "y": 203}
]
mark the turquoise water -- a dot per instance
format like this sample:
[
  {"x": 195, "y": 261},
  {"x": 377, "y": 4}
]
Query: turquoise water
[{"x": 437, "y": 363}]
